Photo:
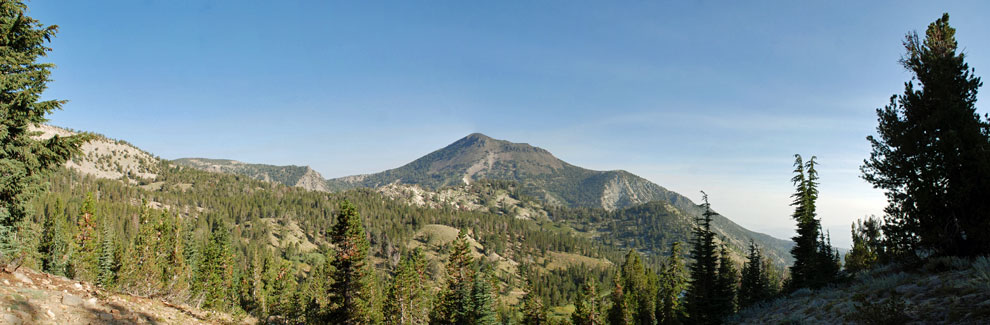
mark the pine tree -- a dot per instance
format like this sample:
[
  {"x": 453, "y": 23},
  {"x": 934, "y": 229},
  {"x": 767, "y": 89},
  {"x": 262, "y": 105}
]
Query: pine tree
[
  {"x": 756, "y": 283},
  {"x": 408, "y": 301},
  {"x": 86, "y": 244},
  {"x": 829, "y": 263},
  {"x": 814, "y": 259},
  {"x": 53, "y": 247},
  {"x": 673, "y": 281},
  {"x": 253, "y": 286},
  {"x": 700, "y": 296},
  {"x": 640, "y": 287},
  {"x": 318, "y": 289},
  {"x": 153, "y": 263},
  {"x": 806, "y": 242},
  {"x": 586, "y": 305},
  {"x": 725, "y": 285},
  {"x": 619, "y": 313},
  {"x": 24, "y": 161},
  {"x": 174, "y": 269},
  {"x": 867, "y": 245},
  {"x": 141, "y": 274},
  {"x": 455, "y": 303},
  {"x": 108, "y": 260},
  {"x": 930, "y": 155},
  {"x": 280, "y": 286},
  {"x": 483, "y": 301},
  {"x": 533, "y": 310},
  {"x": 215, "y": 278},
  {"x": 352, "y": 291}
]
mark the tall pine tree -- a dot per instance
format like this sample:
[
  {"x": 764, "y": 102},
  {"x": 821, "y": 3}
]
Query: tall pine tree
[
  {"x": 534, "y": 312},
  {"x": 24, "y": 161},
  {"x": 640, "y": 289},
  {"x": 756, "y": 283},
  {"x": 930, "y": 154},
  {"x": 725, "y": 285},
  {"x": 482, "y": 300},
  {"x": 53, "y": 247},
  {"x": 108, "y": 260},
  {"x": 619, "y": 313},
  {"x": 455, "y": 303},
  {"x": 586, "y": 306},
  {"x": 701, "y": 298},
  {"x": 215, "y": 274},
  {"x": 352, "y": 292},
  {"x": 408, "y": 300},
  {"x": 815, "y": 262},
  {"x": 673, "y": 281},
  {"x": 86, "y": 246}
]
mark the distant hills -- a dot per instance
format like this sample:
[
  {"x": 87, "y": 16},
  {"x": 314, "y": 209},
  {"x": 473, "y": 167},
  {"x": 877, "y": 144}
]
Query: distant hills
[
  {"x": 472, "y": 158},
  {"x": 621, "y": 195}
]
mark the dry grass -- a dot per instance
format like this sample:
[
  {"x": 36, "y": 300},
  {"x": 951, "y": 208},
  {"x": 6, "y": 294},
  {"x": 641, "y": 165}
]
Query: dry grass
[{"x": 944, "y": 290}]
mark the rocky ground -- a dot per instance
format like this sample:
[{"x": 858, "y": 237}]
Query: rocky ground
[
  {"x": 940, "y": 291},
  {"x": 29, "y": 297}
]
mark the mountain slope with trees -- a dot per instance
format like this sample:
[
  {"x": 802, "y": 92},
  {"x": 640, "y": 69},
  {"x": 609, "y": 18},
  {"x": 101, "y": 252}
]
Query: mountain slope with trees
[{"x": 634, "y": 210}]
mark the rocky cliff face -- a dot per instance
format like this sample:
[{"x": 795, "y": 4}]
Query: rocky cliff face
[
  {"x": 312, "y": 180},
  {"x": 298, "y": 176}
]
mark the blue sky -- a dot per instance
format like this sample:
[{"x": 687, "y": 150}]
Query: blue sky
[{"x": 693, "y": 95}]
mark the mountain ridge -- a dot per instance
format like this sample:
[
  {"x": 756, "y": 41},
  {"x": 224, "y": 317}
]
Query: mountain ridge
[
  {"x": 542, "y": 175},
  {"x": 291, "y": 175}
]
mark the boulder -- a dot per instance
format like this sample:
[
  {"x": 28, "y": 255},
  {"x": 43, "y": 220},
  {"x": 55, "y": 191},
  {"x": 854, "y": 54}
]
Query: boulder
[
  {"x": 11, "y": 319},
  {"x": 71, "y": 300}
]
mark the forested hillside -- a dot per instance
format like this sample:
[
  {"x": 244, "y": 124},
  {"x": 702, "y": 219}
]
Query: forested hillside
[
  {"x": 618, "y": 207},
  {"x": 94, "y": 223}
]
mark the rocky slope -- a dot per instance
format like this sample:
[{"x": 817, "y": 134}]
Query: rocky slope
[
  {"x": 107, "y": 158},
  {"x": 650, "y": 227},
  {"x": 945, "y": 290},
  {"x": 298, "y": 176},
  {"x": 29, "y": 297}
]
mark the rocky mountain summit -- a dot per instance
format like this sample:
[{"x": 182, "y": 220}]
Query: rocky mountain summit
[{"x": 541, "y": 174}]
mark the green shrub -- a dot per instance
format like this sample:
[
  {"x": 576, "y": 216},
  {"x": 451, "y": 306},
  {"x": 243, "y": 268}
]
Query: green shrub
[
  {"x": 883, "y": 312},
  {"x": 944, "y": 264}
]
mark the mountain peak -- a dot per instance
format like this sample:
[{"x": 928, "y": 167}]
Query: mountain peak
[
  {"x": 540, "y": 174},
  {"x": 478, "y": 136},
  {"x": 476, "y": 140}
]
